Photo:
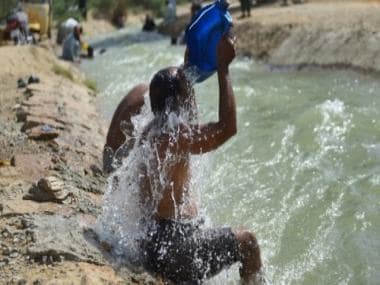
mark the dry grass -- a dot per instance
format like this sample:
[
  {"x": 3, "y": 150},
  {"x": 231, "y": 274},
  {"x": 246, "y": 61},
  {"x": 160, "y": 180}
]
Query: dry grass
[{"x": 62, "y": 71}]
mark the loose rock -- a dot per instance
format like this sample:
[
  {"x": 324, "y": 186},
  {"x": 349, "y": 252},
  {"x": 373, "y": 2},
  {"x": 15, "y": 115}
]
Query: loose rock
[
  {"x": 4, "y": 262},
  {"x": 49, "y": 189},
  {"x": 43, "y": 133},
  {"x": 57, "y": 237},
  {"x": 14, "y": 254}
]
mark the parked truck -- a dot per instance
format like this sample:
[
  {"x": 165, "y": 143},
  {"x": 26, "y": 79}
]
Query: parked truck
[{"x": 40, "y": 14}]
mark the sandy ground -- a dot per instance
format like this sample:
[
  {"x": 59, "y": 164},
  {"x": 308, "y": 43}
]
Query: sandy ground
[{"x": 95, "y": 26}]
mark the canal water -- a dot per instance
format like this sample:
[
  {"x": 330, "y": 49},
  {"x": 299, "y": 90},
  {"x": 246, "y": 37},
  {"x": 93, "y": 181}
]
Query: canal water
[{"x": 303, "y": 171}]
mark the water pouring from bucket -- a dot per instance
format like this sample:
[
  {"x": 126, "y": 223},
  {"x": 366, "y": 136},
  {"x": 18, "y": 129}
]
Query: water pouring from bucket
[{"x": 203, "y": 34}]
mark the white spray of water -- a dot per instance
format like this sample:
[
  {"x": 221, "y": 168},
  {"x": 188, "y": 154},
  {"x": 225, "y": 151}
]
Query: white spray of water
[
  {"x": 120, "y": 222},
  {"x": 125, "y": 220}
]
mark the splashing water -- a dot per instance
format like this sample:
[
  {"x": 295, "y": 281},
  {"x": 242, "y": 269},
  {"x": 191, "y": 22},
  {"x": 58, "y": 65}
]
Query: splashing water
[
  {"x": 120, "y": 223},
  {"x": 302, "y": 172},
  {"x": 126, "y": 218}
]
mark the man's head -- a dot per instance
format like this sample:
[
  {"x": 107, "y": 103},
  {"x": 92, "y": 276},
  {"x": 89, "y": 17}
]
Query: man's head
[
  {"x": 77, "y": 32},
  {"x": 195, "y": 7},
  {"x": 170, "y": 91}
]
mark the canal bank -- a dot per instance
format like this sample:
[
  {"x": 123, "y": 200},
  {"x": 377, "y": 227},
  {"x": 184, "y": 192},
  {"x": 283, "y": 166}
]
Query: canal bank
[
  {"x": 332, "y": 34},
  {"x": 51, "y": 183}
]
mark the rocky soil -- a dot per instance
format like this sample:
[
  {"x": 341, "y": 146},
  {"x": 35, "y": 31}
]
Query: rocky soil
[{"x": 51, "y": 185}]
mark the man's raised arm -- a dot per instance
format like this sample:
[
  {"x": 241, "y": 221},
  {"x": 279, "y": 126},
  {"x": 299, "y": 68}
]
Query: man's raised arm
[{"x": 208, "y": 137}]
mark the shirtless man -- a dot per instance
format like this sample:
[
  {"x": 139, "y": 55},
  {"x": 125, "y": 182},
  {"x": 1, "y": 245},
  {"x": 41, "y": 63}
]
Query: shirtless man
[{"x": 176, "y": 247}]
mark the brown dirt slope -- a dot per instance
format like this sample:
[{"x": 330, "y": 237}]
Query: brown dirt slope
[
  {"x": 51, "y": 185},
  {"x": 325, "y": 33}
]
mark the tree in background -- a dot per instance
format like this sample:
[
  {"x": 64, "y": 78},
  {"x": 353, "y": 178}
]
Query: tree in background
[
  {"x": 64, "y": 9},
  {"x": 115, "y": 10},
  {"x": 82, "y": 5},
  {"x": 6, "y": 6},
  {"x": 112, "y": 7},
  {"x": 109, "y": 7}
]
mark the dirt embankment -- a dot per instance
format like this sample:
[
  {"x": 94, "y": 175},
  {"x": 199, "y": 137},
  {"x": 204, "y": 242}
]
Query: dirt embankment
[
  {"x": 343, "y": 33},
  {"x": 51, "y": 185},
  {"x": 94, "y": 26}
]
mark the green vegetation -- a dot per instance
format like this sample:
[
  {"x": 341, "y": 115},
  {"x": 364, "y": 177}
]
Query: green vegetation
[
  {"x": 91, "y": 84},
  {"x": 64, "y": 9},
  {"x": 62, "y": 71},
  {"x": 67, "y": 73},
  {"x": 5, "y": 7},
  {"x": 109, "y": 6}
]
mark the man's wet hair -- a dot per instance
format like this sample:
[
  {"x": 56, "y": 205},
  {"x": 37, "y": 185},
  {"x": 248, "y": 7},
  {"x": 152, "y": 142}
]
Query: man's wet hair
[{"x": 164, "y": 91}]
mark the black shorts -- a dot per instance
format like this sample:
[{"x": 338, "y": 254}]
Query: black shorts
[{"x": 185, "y": 253}]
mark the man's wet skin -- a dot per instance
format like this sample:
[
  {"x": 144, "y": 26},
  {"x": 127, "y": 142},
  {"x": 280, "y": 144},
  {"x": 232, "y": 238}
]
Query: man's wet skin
[
  {"x": 177, "y": 201},
  {"x": 130, "y": 106},
  {"x": 170, "y": 94},
  {"x": 121, "y": 129}
]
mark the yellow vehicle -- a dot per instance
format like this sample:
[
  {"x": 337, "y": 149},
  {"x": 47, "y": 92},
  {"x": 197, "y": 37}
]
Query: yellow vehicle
[{"x": 40, "y": 16}]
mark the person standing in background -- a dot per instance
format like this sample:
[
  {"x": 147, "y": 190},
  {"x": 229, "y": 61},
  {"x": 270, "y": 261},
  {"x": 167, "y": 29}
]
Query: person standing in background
[
  {"x": 82, "y": 5},
  {"x": 196, "y": 5},
  {"x": 170, "y": 18},
  {"x": 245, "y": 6},
  {"x": 171, "y": 13},
  {"x": 149, "y": 24}
]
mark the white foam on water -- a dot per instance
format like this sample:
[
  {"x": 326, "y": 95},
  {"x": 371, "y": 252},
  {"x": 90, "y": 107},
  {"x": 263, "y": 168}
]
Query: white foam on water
[
  {"x": 336, "y": 122},
  {"x": 120, "y": 223},
  {"x": 319, "y": 250}
]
